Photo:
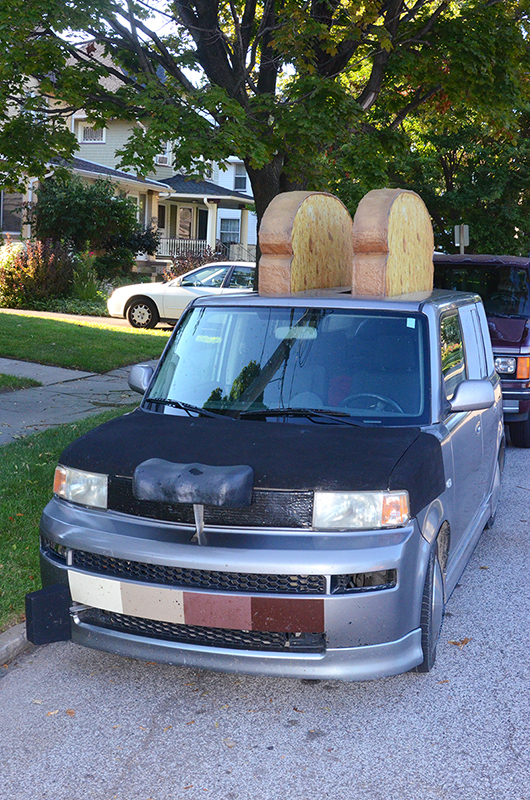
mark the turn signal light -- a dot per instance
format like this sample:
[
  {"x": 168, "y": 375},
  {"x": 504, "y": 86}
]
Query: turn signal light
[{"x": 523, "y": 368}]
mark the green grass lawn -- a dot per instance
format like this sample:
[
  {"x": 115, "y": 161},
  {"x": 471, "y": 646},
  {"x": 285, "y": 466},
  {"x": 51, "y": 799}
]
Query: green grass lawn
[
  {"x": 76, "y": 345},
  {"x": 11, "y": 383},
  {"x": 26, "y": 480}
]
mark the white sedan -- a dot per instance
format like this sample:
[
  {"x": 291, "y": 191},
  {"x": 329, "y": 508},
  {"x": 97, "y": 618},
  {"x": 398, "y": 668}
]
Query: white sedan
[{"x": 145, "y": 304}]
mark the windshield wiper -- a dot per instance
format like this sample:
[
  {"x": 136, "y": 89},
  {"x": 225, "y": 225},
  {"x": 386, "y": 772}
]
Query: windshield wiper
[
  {"x": 332, "y": 417},
  {"x": 187, "y": 407}
]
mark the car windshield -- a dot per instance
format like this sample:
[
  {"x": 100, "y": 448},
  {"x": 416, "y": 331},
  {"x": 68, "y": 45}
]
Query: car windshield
[
  {"x": 248, "y": 361},
  {"x": 504, "y": 290}
]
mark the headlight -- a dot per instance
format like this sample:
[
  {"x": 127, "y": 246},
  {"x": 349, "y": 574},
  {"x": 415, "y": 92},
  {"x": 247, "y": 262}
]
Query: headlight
[
  {"x": 78, "y": 486},
  {"x": 505, "y": 365},
  {"x": 354, "y": 510}
]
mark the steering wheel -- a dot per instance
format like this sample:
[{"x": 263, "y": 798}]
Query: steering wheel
[{"x": 381, "y": 403}]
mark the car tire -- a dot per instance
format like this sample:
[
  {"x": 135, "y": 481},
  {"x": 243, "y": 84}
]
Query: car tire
[
  {"x": 142, "y": 313},
  {"x": 432, "y": 608},
  {"x": 520, "y": 433}
]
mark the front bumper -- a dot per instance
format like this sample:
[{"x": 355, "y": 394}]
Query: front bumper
[{"x": 364, "y": 634}]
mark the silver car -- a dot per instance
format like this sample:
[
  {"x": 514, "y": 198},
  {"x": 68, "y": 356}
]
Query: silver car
[{"x": 298, "y": 493}]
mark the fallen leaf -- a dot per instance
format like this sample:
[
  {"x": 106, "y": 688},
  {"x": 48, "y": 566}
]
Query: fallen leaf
[
  {"x": 37, "y": 702},
  {"x": 299, "y": 710},
  {"x": 52, "y": 713},
  {"x": 462, "y": 642},
  {"x": 483, "y": 567},
  {"x": 168, "y": 727},
  {"x": 446, "y": 681},
  {"x": 191, "y": 723},
  {"x": 188, "y": 787},
  {"x": 70, "y": 712},
  {"x": 229, "y": 742}
]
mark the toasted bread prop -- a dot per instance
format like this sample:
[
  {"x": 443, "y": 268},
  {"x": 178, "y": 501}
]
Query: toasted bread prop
[
  {"x": 393, "y": 244},
  {"x": 309, "y": 241},
  {"x": 306, "y": 243}
]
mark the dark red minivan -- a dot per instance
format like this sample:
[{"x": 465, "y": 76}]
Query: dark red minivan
[{"x": 503, "y": 282}]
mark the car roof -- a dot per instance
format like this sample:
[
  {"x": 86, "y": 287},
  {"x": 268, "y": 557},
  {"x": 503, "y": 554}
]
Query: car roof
[
  {"x": 480, "y": 260},
  {"x": 440, "y": 299}
]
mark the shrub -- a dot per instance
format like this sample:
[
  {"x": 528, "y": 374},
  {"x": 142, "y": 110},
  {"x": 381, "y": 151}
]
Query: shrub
[
  {"x": 85, "y": 284},
  {"x": 37, "y": 272},
  {"x": 91, "y": 216},
  {"x": 188, "y": 261}
]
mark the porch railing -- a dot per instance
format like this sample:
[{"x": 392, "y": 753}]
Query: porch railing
[
  {"x": 181, "y": 247},
  {"x": 197, "y": 247}
]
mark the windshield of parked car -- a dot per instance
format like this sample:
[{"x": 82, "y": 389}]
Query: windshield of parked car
[
  {"x": 504, "y": 290},
  {"x": 247, "y": 361}
]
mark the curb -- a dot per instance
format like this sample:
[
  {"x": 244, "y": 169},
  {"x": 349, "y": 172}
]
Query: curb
[{"x": 13, "y": 642}]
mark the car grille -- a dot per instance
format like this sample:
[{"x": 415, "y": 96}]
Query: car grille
[
  {"x": 209, "y": 637},
  {"x": 196, "y": 578},
  {"x": 269, "y": 509}
]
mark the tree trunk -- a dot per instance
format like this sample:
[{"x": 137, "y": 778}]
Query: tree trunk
[{"x": 266, "y": 183}]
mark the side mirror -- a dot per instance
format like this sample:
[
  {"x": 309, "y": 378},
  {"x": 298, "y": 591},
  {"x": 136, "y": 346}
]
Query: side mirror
[
  {"x": 473, "y": 396},
  {"x": 140, "y": 377}
]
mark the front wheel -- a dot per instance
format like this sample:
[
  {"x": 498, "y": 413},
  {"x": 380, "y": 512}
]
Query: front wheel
[
  {"x": 520, "y": 433},
  {"x": 142, "y": 313},
  {"x": 432, "y": 608}
]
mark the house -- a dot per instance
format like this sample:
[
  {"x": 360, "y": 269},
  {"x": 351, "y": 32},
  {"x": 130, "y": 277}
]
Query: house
[{"x": 191, "y": 215}]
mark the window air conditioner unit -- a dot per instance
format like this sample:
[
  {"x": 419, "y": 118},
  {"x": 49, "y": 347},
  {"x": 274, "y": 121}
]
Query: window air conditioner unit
[{"x": 162, "y": 160}]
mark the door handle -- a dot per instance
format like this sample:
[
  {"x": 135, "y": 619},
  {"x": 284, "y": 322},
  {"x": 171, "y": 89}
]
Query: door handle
[{"x": 478, "y": 428}]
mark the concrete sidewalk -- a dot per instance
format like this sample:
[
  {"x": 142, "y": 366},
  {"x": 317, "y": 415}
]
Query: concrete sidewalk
[{"x": 65, "y": 396}]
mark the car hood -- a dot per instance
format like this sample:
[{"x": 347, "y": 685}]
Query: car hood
[
  {"x": 508, "y": 331},
  {"x": 283, "y": 455}
]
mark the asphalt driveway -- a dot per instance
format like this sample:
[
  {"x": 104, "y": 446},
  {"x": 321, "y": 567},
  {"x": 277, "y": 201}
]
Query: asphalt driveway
[{"x": 78, "y": 724}]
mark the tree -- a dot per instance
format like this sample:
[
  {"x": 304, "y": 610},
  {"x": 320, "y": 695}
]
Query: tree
[
  {"x": 90, "y": 216},
  {"x": 466, "y": 171},
  {"x": 276, "y": 82}
]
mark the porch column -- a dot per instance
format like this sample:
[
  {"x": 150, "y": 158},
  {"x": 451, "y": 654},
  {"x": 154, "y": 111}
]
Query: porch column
[
  {"x": 151, "y": 219},
  {"x": 243, "y": 233},
  {"x": 211, "y": 234}
]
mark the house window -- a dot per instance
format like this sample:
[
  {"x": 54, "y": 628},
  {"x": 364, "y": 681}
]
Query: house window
[
  {"x": 90, "y": 135},
  {"x": 11, "y": 212},
  {"x": 240, "y": 179},
  {"x": 161, "y": 217},
  {"x": 229, "y": 231}
]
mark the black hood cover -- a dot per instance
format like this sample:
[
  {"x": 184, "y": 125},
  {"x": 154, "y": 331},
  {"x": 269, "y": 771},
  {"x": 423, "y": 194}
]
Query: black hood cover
[{"x": 283, "y": 455}]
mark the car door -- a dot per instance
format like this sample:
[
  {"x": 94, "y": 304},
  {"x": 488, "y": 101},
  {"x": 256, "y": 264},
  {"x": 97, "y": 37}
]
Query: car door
[
  {"x": 465, "y": 434},
  {"x": 196, "y": 284}
]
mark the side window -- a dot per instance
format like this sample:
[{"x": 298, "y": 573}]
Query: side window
[
  {"x": 242, "y": 278},
  {"x": 210, "y": 276},
  {"x": 453, "y": 358}
]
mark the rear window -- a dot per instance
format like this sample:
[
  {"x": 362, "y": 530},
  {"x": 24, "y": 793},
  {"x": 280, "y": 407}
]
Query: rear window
[{"x": 505, "y": 291}]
